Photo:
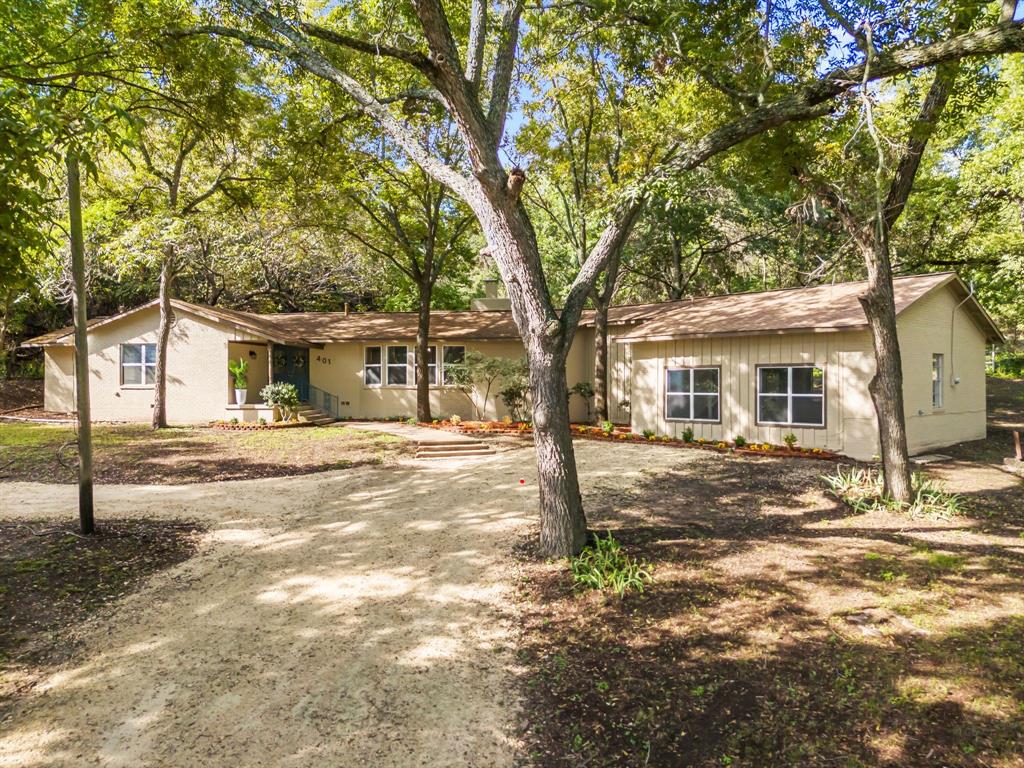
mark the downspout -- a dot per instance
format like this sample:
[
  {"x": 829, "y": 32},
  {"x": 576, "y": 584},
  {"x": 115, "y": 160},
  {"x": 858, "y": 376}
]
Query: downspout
[{"x": 953, "y": 379}]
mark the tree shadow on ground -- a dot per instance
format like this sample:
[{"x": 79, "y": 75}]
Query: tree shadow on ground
[
  {"x": 781, "y": 630},
  {"x": 360, "y": 619}
]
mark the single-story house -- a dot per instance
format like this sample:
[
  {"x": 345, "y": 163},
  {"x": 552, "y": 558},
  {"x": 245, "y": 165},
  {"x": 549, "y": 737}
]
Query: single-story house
[{"x": 760, "y": 365}]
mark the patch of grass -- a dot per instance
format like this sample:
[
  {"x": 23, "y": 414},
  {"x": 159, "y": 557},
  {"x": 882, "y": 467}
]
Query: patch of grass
[
  {"x": 863, "y": 491},
  {"x": 605, "y": 565},
  {"x": 940, "y": 561},
  {"x": 127, "y": 453}
]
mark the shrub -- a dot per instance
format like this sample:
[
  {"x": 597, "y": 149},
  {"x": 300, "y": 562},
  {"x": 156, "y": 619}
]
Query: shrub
[
  {"x": 607, "y": 427},
  {"x": 688, "y": 435},
  {"x": 261, "y": 421},
  {"x": 605, "y": 565},
  {"x": 863, "y": 491},
  {"x": 455, "y": 419},
  {"x": 739, "y": 441},
  {"x": 516, "y": 396},
  {"x": 411, "y": 420},
  {"x": 478, "y": 374},
  {"x": 790, "y": 440},
  {"x": 1009, "y": 366},
  {"x": 239, "y": 372},
  {"x": 233, "y": 420},
  {"x": 282, "y": 394},
  {"x": 648, "y": 433}
]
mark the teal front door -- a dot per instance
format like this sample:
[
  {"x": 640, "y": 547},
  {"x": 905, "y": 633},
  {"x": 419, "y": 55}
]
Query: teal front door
[{"x": 291, "y": 365}]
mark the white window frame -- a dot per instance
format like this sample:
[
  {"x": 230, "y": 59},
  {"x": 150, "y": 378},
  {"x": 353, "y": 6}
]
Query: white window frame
[
  {"x": 379, "y": 366},
  {"x": 389, "y": 365},
  {"x": 142, "y": 365},
  {"x": 444, "y": 378},
  {"x": 790, "y": 396},
  {"x": 691, "y": 392},
  {"x": 432, "y": 368},
  {"x": 938, "y": 381}
]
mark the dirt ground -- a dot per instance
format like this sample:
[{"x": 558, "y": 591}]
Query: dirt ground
[
  {"x": 20, "y": 393},
  {"x": 357, "y": 618},
  {"x": 51, "y": 578},
  {"x": 134, "y": 453},
  {"x": 375, "y": 617},
  {"x": 782, "y": 629}
]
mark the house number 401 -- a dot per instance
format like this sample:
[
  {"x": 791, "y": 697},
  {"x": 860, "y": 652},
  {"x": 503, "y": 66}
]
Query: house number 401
[{"x": 324, "y": 360}]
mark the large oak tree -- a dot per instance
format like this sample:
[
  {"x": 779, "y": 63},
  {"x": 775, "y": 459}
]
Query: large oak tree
[{"x": 432, "y": 54}]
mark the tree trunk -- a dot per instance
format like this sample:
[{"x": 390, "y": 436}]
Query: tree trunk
[
  {"x": 163, "y": 335},
  {"x": 886, "y": 385},
  {"x": 422, "y": 337},
  {"x": 85, "y": 506},
  {"x": 600, "y": 361},
  {"x": 563, "y": 524}
]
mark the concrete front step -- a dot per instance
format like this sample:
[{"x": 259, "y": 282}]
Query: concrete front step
[
  {"x": 314, "y": 415},
  {"x": 445, "y": 449},
  {"x": 454, "y": 454}
]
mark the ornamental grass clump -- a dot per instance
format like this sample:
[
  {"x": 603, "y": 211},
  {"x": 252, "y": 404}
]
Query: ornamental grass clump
[
  {"x": 863, "y": 491},
  {"x": 604, "y": 565}
]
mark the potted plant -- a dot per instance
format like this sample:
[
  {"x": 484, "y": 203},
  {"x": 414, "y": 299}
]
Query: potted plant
[{"x": 240, "y": 373}]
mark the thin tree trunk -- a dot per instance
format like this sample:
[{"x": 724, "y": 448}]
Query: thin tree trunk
[
  {"x": 600, "y": 361},
  {"x": 422, "y": 337},
  {"x": 163, "y": 336},
  {"x": 82, "y": 404},
  {"x": 886, "y": 385},
  {"x": 563, "y": 524}
]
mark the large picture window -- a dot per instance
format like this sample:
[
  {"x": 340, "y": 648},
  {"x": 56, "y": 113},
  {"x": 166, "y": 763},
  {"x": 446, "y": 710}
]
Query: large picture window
[
  {"x": 398, "y": 366},
  {"x": 453, "y": 355},
  {"x": 691, "y": 394},
  {"x": 792, "y": 395},
  {"x": 371, "y": 366},
  {"x": 138, "y": 365}
]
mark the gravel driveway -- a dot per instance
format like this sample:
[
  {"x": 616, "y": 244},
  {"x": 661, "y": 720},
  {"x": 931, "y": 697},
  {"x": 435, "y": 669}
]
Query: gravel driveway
[{"x": 359, "y": 618}]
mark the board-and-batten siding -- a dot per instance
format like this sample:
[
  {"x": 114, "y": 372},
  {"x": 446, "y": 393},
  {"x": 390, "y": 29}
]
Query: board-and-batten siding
[
  {"x": 845, "y": 358},
  {"x": 930, "y": 326}
]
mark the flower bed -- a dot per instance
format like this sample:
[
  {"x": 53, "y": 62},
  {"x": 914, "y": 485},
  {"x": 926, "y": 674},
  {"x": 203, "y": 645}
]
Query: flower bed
[
  {"x": 623, "y": 434},
  {"x": 251, "y": 426}
]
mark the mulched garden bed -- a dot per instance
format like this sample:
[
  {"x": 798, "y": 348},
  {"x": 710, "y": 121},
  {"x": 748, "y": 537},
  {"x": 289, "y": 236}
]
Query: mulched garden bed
[
  {"x": 36, "y": 413},
  {"x": 52, "y": 578},
  {"x": 251, "y": 427},
  {"x": 624, "y": 434}
]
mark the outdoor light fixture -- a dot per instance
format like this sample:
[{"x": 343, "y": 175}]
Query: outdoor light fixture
[{"x": 252, "y": 354}]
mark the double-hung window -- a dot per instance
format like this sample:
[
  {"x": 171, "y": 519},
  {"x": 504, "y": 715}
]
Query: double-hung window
[
  {"x": 398, "y": 366},
  {"x": 431, "y": 365},
  {"x": 937, "y": 380},
  {"x": 138, "y": 365},
  {"x": 453, "y": 356},
  {"x": 371, "y": 367},
  {"x": 691, "y": 394},
  {"x": 791, "y": 395}
]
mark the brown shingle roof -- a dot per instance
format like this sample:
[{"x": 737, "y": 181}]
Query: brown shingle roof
[
  {"x": 818, "y": 308},
  {"x": 323, "y": 327},
  {"x": 57, "y": 336}
]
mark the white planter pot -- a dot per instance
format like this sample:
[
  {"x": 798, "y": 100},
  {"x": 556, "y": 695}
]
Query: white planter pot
[{"x": 240, "y": 396}]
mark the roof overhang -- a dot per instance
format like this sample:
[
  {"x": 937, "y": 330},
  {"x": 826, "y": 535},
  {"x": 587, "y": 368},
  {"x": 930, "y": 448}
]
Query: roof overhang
[
  {"x": 973, "y": 307},
  {"x": 738, "y": 333},
  {"x": 207, "y": 313}
]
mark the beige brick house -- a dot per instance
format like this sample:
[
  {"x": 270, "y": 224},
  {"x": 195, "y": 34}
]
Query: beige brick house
[{"x": 759, "y": 365}]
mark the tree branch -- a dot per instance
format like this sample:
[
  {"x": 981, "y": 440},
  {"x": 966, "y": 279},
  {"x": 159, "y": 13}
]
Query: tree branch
[{"x": 504, "y": 62}]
